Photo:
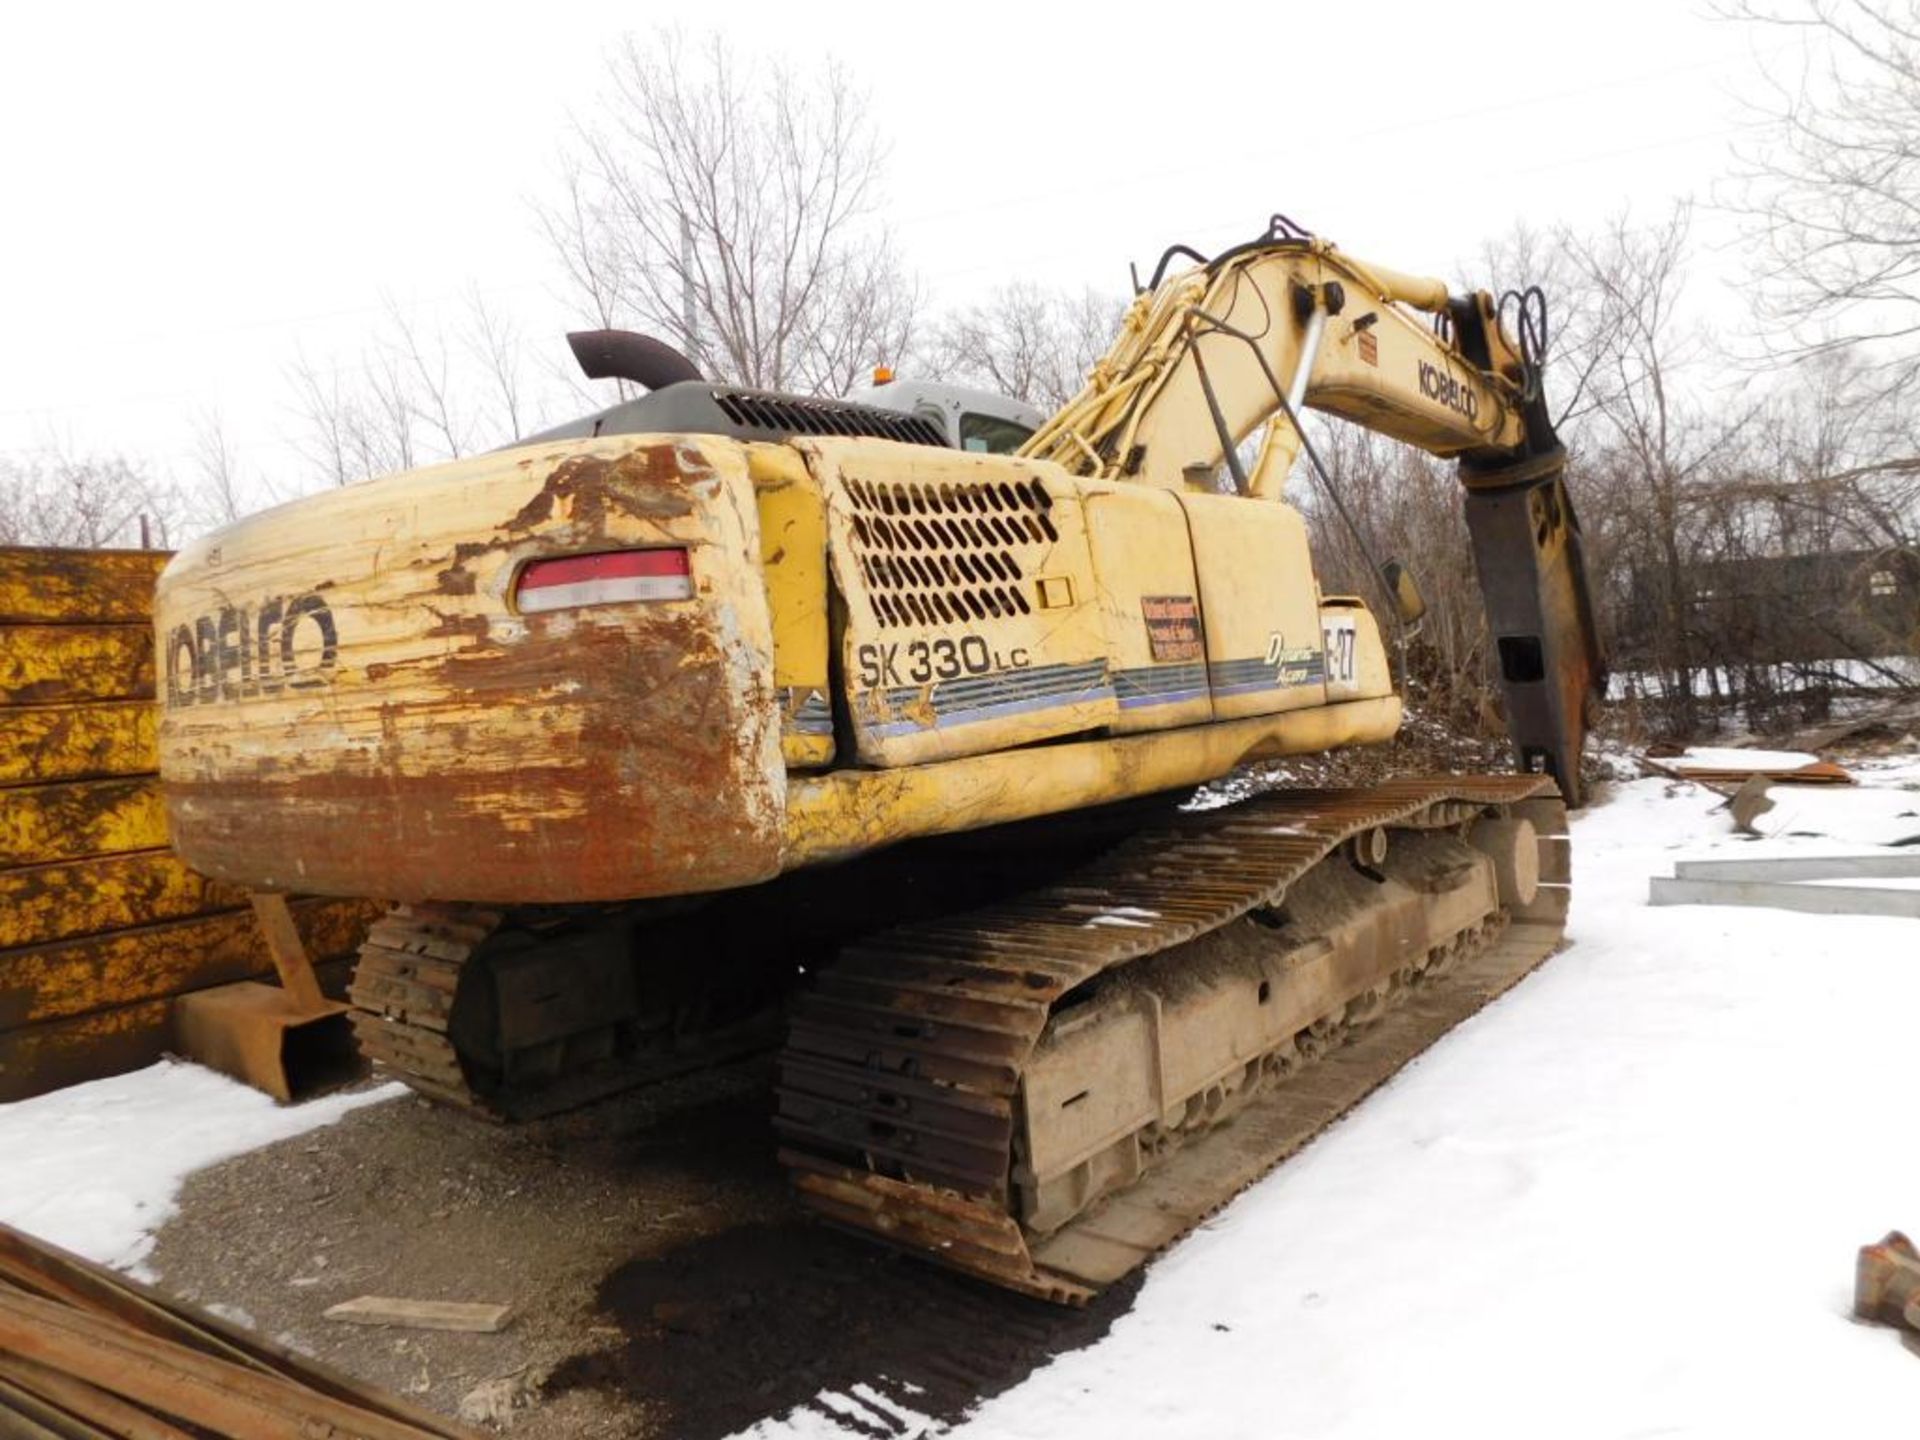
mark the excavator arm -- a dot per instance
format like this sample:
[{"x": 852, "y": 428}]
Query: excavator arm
[{"x": 1256, "y": 335}]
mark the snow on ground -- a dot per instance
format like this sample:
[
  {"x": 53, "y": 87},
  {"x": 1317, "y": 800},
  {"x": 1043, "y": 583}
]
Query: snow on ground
[
  {"x": 1711, "y": 757},
  {"x": 95, "y": 1168},
  {"x": 1622, "y": 1201},
  {"x": 1838, "y": 818}
]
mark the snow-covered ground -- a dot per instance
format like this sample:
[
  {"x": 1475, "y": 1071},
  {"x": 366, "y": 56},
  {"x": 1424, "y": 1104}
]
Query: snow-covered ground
[
  {"x": 1622, "y": 1201},
  {"x": 96, "y": 1167}
]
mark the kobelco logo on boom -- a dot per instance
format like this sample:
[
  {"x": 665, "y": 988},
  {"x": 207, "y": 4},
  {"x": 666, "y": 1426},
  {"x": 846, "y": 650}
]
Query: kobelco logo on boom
[
  {"x": 236, "y": 651},
  {"x": 1437, "y": 384}
]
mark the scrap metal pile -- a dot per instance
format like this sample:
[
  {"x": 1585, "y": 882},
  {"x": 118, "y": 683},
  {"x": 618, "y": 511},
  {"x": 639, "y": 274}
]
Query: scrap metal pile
[{"x": 86, "y": 1353}]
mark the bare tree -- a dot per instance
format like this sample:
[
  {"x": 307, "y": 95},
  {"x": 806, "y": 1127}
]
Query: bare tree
[
  {"x": 420, "y": 391},
  {"x": 1578, "y": 313},
  {"x": 87, "y": 501},
  {"x": 496, "y": 345},
  {"x": 1027, "y": 341},
  {"x": 219, "y": 493},
  {"x": 1832, "y": 192},
  {"x": 729, "y": 209},
  {"x": 1405, "y": 503},
  {"x": 324, "y": 410},
  {"x": 417, "y": 387},
  {"x": 1653, "y": 444}
]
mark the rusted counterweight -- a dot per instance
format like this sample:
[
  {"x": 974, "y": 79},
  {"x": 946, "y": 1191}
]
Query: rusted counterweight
[{"x": 446, "y": 745}]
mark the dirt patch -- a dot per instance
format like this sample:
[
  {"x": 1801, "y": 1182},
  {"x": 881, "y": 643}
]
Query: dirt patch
[
  {"x": 1424, "y": 746},
  {"x": 664, "y": 1281},
  {"x": 410, "y": 1200},
  {"x": 765, "y": 1319}
]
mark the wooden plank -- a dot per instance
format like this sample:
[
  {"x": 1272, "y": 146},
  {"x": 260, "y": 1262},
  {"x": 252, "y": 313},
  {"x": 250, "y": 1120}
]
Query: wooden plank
[
  {"x": 71, "y": 898},
  {"x": 476, "y": 1316},
  {"x": 76, "y": 977},
  {"x": 37, "y": 1058},
  {"x": 78, "y": 585},
  {"x": 54, "y": 664},
  {"x": 39, "y": 743},
  {"x": 42, "y": 823}
]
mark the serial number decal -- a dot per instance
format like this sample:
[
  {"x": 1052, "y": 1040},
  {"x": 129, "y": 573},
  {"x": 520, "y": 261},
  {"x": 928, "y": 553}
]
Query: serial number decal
[
  {"x": 237, "y": 651},
  {"x": 1173, "y": 626},
  {"x": 1341, "y": 638},
  {"x": 916, "y": 662},
  {"x": 1437, "y": 384}
]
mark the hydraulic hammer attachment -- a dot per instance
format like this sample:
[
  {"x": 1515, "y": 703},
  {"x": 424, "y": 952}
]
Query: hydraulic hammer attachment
[
  {"x": 1526, "y": 548},
  {"x": 1533, "y": 579}
]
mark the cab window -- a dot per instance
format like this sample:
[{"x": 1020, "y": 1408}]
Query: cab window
[{"x": 991, "y": 434}]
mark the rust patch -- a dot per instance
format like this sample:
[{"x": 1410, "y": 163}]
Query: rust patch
[
  {"x": 77, "y": 977},
  {"x": 647, "y": 482},
  {"x": 643, "y": 785},
  {"x": 457, "y": 579},
  {"x": 53, "y": 664},
  {"x": 66, "y": 820},
  {"x": 445, "y": 627},
  {"x": 920, "y": 710},
  {"x": 78, "y": 586},
  {"x": 65, "y": 1052}
]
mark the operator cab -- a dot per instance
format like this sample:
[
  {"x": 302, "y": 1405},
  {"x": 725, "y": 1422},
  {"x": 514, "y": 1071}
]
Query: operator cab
[{"x": 976, "y": 420}]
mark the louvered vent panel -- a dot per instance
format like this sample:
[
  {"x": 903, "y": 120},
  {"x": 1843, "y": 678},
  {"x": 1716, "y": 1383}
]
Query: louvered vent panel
[
  {"x": 949, "y": 553},
  {"x": 801, "y": 415}
]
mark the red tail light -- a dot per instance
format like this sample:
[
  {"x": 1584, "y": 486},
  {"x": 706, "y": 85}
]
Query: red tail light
[{"x": 610, "y": 579}]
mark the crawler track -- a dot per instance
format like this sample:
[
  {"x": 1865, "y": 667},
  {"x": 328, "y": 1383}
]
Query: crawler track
[
  {"x": 429, "y": 1008},
  {"x": 901, "y": 1089}
]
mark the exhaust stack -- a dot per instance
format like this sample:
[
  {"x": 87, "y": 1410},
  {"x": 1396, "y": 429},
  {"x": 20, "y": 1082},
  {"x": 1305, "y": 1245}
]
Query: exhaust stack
[{"x": 626, "y": 355}]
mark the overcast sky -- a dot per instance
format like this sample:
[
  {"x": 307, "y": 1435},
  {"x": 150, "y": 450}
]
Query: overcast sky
[{"x": 195, "y": 196}]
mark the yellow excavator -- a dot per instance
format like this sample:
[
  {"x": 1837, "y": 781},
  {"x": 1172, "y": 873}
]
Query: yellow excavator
[{"x": 596, "y": 712}]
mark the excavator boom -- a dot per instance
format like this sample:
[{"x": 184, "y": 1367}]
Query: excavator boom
[{"x": 1288, "y": 322}]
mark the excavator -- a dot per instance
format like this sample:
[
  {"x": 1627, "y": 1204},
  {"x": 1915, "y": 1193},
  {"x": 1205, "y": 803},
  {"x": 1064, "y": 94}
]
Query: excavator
[{"x": 634, "y": 722}]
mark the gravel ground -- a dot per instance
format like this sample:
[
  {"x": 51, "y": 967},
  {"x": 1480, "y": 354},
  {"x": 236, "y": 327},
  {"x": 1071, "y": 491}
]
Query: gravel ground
[
  {"x": 662, "y": 1279},
  {"x": 405, "y": 1199}
]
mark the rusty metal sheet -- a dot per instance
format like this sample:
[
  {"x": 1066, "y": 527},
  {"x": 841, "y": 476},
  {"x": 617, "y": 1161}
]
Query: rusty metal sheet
[
  {"x": 74, "y": 977},
  {"x": 68, "y": 899},
  {"x": 78, "y": 742},
  {"x": 120, "y": 1355},
  {"x": 65, "y": 821},
  {"x": 69, "y": 586},
  {"x": 217, "y": 1396},
  {"x": 76, "y": 1408},
  {"x": 37, "y": 1058},
  {"x": 52, "y": 664}
]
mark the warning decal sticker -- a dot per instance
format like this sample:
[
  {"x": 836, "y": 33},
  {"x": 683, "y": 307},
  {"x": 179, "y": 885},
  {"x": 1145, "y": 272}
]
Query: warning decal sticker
[{"x": 1173, "y": 626}]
